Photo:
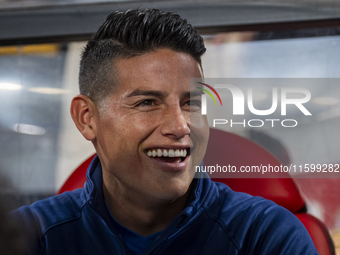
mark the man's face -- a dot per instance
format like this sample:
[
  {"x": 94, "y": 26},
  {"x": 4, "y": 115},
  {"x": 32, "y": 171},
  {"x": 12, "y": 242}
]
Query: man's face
[{"x": 146, "y": 120}]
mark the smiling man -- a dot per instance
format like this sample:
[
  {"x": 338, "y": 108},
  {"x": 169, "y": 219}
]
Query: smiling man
[
  {"x": 138, "y": 108},
  {"x": 141, "y": 132}
]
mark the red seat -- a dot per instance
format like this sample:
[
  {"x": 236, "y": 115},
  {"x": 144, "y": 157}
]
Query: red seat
[
  {"x": 237, "y": 151},
  {"x": 319, "y": 233}
]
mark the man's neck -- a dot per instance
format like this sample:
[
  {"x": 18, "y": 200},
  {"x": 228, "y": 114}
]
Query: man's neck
[{"x": 140, "y": 215}]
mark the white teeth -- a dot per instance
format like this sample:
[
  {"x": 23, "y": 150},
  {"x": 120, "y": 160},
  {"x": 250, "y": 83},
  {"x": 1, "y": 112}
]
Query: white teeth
[
  {"x": 171, "y": 153},
  {"x": 159, "y": 153},
  {"x": 177, "y": 154},
  {"x": 167, "y": 153}
]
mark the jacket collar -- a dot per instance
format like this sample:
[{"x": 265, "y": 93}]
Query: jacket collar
[{"x": 93, "y": 191}]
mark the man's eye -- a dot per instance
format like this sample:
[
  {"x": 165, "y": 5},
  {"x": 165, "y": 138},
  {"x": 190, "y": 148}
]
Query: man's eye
[
  {"x": 194, "y": 103},
  {"x": 147, "y": 102}
]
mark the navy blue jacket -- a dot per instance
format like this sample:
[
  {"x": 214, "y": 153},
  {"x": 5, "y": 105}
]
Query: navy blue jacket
[{"x": 216, "y": 220}]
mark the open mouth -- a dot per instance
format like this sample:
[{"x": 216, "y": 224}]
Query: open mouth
[{"x": 168, "y": 155}]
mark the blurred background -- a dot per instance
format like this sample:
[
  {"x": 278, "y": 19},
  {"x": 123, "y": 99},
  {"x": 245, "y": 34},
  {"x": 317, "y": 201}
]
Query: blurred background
[{"x": 40, "y": 47}]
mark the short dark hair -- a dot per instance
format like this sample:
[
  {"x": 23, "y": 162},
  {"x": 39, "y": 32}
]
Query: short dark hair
[{"x": 128, "y": 34}]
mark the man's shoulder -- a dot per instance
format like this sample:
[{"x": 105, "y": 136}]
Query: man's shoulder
[
  {"x": 251, "y": 221},
  {"x": 51, "y": 211}
]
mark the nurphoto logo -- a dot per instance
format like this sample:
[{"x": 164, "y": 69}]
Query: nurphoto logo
[{"x": 240, "y": 101}]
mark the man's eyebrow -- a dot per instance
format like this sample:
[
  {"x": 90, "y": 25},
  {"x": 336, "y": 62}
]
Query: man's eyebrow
[
  {"x": 193, "y": 93},
  {"x": 139, "y": 92}
]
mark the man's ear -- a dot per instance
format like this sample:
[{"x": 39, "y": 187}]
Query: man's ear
[{"x": 83, "y": 113}]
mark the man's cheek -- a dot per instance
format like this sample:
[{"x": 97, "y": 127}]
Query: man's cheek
[{"x": 200, "y": 136}]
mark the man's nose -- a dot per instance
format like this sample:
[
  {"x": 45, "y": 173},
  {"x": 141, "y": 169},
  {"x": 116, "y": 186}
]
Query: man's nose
[{"x": 176, "y": 123}]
